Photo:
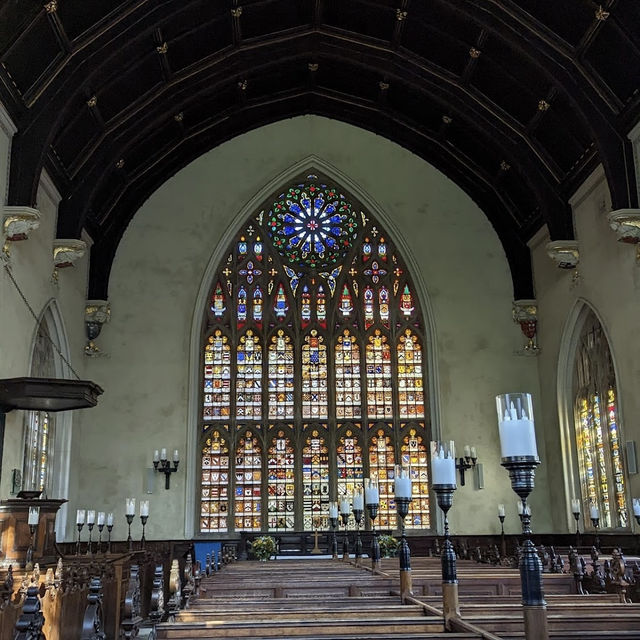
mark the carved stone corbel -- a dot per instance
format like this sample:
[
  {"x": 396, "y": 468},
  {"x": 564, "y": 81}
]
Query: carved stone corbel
[
  {"x": 17, "y": 224},
  {"x": 525, "y": 313},
  {"x": 626, "y": 224},
  {"x": 96, "y": 314},
  {"x": 67, "y": 252},
  {"x": 564, "y": 253}
]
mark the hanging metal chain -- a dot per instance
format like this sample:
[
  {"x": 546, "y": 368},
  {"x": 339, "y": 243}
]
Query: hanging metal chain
[{"x": 45, "y": 331}]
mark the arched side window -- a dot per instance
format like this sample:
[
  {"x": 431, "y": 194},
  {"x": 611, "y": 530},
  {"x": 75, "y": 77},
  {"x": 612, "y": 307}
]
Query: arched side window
[
  {"x": 597, "y": 434},
  {"x": 313, "y": 342}
]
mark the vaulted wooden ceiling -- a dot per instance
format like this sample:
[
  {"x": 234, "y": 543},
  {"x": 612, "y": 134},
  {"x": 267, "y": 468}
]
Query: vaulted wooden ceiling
[{"x": 516, "y": 101}]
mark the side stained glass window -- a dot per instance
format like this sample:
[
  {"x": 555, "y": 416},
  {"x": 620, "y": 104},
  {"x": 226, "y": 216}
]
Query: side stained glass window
[
  {"x": 414, "y": 457},
  {"x": 597, "y": 434},
  {"x": 214, "y": 501},
  {"x": 312, "y": 366},
  {"x": 217, "y": 377},
  {"x": 348, "y": 377},
  {"x": 410, "y": 392},
  {"x": 249, "y": 377},
  {"x": 315, "y": 482},
  {"x": 281, "y": 484},
  {"x": 248, "y": 480},
  {"x": 382, "y": 468},
  {"x": 281, "y": 379},
  {"x": 379, "y": 394},
  {"x": 314, "y": 376}
]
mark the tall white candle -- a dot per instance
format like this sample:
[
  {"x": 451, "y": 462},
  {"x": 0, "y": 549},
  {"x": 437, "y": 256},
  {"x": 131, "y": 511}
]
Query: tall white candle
[
  {"x": 333, "y": 509},
  {"x": 91, "y": 516},
  {"x": 345, "y": 506},
  {"x": 443, "y": 465},
  {"x": 595, "y": 512},
  {"x": 131, "y": 507},
  {"x": 156, "y": 456},
  {"x": 144, "y": 507},
  {"x": 501, "y": 511},
  {"x": 636, "y": 507},
  {"x": 163, "y": 454},
  {"x": 80, "y": 513},
  {"x": 34, "y": 515},
  {"x": 467, "y": 451},
  {"x": 371, "y": 492},
  {"x": 101, "y": 518},
  {"x": 358, "y": 501},
  {"x": 474, "y": 453},
  {"x": 575, "y": 505},
  {"x": 515, "y": 424},
  {"x": 176, "y": 455},
  {"x": 110, "y": 520},
  {"x": 402, "y": 484}
]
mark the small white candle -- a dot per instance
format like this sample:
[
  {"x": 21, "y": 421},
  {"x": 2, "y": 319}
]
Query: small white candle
[
  {"x": 91, "y": 516},
  {"x": 575, "y": 505},
  {"x": 501, "y": 511},
  {"x": 80, "y": 516},
  {"x": 163, "y": 454},
  {"x": 333, "y": 509},
  {"x": 358, "y": 501},
  {"x": 101, "y": 518},
  {"x": 144, "y": 507},
  {"x": 371, "y": 492},
  {"x": 402, "y": 483},
  {"x": 156, "y": 456},
  {"x": 595, "y": 512},
  {"x": 176, "y": 456},
  {"x": 345, "y": 507},
  {"x": 110, "y": 520},
  {"x": 467, "y": 451},
  {"x": 474, "y": 453},
  {"x": 131, "y": 507},
  {"x": 34, "y": 515},
  {"x": 636, "y": 507}
]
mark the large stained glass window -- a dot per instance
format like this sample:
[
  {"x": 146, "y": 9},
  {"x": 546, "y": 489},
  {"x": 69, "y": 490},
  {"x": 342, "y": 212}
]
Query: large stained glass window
[
  {"x": 313, "y": 366},
  {"x": 597, "y": 433}
]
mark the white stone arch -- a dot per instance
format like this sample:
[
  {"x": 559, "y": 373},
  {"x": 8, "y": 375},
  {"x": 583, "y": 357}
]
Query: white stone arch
[
  {"x": 571, "y": 333},
  {"x": 52, "y": 319},
  {"x": 309, "y": 163}
]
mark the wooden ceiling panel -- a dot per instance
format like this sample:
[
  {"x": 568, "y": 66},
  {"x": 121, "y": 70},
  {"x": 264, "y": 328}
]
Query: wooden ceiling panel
[
  {"x": 210, "y": 107},
  {"x": 627, "y": 15},
  {"x": 191, "y": 46},
  {"x": 375, "y": 21},
  {"x": 464, "y": 137},
  {"x": 557, "y": 140},
  {"x": 14, "y": 18},
  {"x": 273, "y": 16},
  {"x": 441, "y": 15},
  {"x": 616, "y": 60},
  {"x": 76, "y": 136},
  {"x": 150, "y": 145},
  {"x": 76, "y": 22},
  {"x": 350, "y": 79},
  {"x": 407, "y": 101},
  {"x": 134, "y": 81},
  {"x": 278, "y": 78},
  {"x": 504, "y": 90},
  {"x": 30, "y": 56},
  {"x": 439, "y": 48},
  {"x": 568, "y": 18}
]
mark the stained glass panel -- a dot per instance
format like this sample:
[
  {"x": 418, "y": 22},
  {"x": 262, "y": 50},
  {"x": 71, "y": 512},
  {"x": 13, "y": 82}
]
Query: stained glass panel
[
  {"x": 315, "y": 482},
  {"x": 410, "y": 391},
  {"x": 382, "y": 469},
  {"x": 248, "y": 483},
  {"x": 214, "y": 483},
  {"x": 348, "y": 377},
  {"x": 379, "y": 390},
  {"x": 281, "y": 380},
  {"x": 314, "y": 376},
  {"x": 217, "y": 377},
  {"x": 350, "y": 470},
  {"x": 616, "y": 461},
  {"x": 281, "y": 488},
  {"x": 414, "y": 458},
  {"x": 249, "y": 377}
]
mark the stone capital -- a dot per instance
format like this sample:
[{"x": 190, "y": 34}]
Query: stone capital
[
  {"x": 626, "y": 224},
  {"x": 18, "y": 222},
  {"x": 67, "y": 251},
  {"x": 564, "y": 253}
]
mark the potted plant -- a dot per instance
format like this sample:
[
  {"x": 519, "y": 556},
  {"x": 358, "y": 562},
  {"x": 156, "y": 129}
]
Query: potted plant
[
  {"x": 263, "y": 548},
  {"x": 388, "y": 546}
]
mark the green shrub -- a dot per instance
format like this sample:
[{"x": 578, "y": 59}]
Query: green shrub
[
  {"x": 388, "y": 546},
  {"x": 263, "y": 547}
]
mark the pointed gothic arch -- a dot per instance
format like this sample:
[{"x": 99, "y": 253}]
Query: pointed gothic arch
[{"x": 318, "y": 314}]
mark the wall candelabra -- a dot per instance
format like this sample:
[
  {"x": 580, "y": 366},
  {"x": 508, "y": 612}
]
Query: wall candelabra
[
  {"x": 163, "y": 465},
  {"x": 466, "y": 462}
]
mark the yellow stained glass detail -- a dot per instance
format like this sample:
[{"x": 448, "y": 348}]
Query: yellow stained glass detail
[
  {"x": 382, "y": 469},
  {"x": 248, "y": 484},
  {"x": 410, "y": 383},
  {"x": 249, "y": 377},
  {"x": 414, "y": 458},
  {"x": 214, "y": 485},
  {"x": 217, "y": 377}
]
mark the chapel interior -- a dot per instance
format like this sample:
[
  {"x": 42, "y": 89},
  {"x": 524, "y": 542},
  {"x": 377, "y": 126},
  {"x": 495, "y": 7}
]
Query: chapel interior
[{"x": 256, "y": 253}]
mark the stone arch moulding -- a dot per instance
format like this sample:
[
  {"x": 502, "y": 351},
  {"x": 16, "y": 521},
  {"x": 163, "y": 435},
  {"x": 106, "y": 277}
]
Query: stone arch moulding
[
  {"x": 54, "y": 321},
  {"x": 310, "y": 163},
  {"x": 571, "y": 331}
]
